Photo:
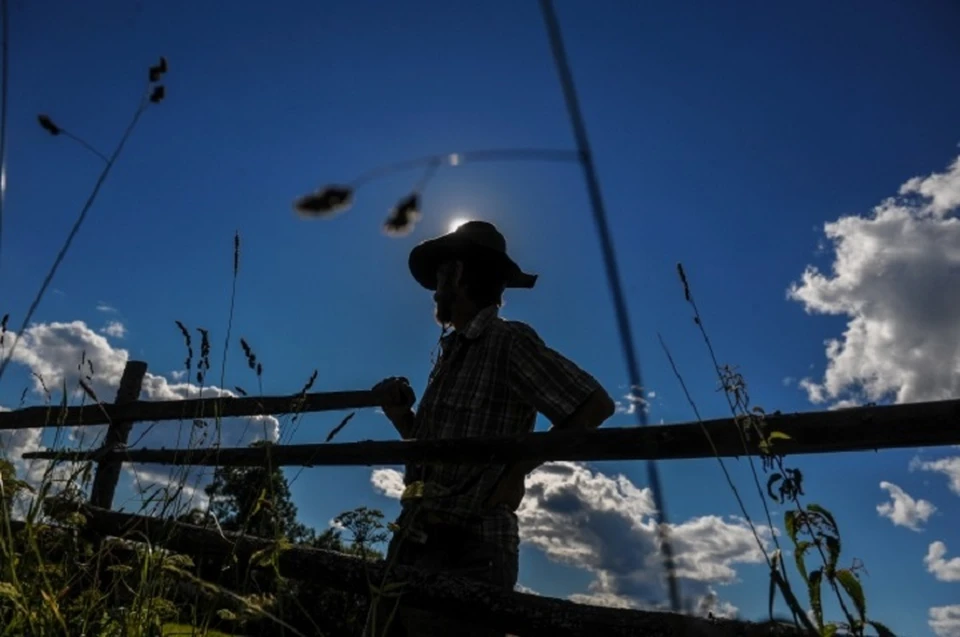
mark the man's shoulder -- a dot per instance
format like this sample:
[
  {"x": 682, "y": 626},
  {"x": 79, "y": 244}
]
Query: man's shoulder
[{"x": 516, "y": 330}]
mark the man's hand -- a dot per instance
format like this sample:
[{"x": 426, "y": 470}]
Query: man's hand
[{"x": 397, "y": 398}]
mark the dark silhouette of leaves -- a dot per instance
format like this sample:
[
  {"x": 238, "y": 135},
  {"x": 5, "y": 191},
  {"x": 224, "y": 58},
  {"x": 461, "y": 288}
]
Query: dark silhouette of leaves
[
  {"x": 343, "y": 423},
  {"x": 158, "y": 94},
  {"x": 157, "y": 70},
  {"x": 47, "y": 124},
  {"x": 326, "y": 202},
  {"x": 404, "y": 216}
]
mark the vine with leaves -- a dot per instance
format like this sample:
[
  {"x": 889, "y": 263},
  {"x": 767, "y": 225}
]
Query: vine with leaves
[{"x": 809, "y": 526}]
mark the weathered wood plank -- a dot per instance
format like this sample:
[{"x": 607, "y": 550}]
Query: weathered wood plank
[
  {"x": 145, "y": 411},
  {"x": 858, "y": 429},
  {"x": 518, "y": 613},
  {"x": 107, "y": 475}
]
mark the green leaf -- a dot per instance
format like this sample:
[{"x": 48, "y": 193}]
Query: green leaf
[
  {"x": 8, "y": 590},
  {"x": 833, "y": 554},
  {"x": 776, "y": 477},
  {"x": 829, "y": 630},
  {"x": 798, "y": 554},
  {"x": 778, "y": 435},
  {"x": 259, "y": 502},
  {"x": 790, "y": 522},
  {"x": 179, "y": 560},
  {"x": 816, "y": 508},
  {"x": 813, "y": 586},
  {"x": 882, "y": 631},
  {"x": 853, "y": 588},
  {"x": 262, "y": 556}
]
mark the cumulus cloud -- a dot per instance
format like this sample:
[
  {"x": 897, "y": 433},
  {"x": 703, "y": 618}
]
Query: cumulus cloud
[
  {"x": 388, "y": 482},
  {"x": 604, "y": 525},
  {"x": 944, "y": 621},
  {"x": 60, "y": 354},
  {"x": 116, "y": 329},
  {"x": 903, "y": 510},
  {"x": 175, "y": 490},
  {"x": 949, "y": 467},
  {"x": 943, "y": 569},
  {"x": 892, "y": 276}
]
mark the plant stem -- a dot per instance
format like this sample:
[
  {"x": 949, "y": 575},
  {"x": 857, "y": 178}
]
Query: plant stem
[{"x": 76, "y": 228}]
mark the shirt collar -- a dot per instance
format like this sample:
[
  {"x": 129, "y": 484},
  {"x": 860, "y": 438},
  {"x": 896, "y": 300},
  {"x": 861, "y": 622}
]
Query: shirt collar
[{"x": 477, "y": 325}]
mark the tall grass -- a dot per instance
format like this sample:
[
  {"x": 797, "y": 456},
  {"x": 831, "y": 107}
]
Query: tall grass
[
  {"x": 56, "y": 578},
  {"x": 810, "y": 527}
]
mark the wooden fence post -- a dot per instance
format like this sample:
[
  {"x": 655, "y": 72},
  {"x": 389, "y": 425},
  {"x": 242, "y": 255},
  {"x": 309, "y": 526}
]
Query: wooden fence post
[{"x": 108, "y": 471}]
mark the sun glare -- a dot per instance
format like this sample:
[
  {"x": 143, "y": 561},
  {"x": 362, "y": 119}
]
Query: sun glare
[{"x": 456, "y": 223}]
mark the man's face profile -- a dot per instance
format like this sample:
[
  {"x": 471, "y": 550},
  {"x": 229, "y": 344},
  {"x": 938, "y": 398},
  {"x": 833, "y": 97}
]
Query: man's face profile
[{"x": 448, "y": 290}]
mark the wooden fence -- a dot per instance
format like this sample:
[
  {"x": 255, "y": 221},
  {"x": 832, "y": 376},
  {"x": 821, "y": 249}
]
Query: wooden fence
[{"x": 857, "y": 429}]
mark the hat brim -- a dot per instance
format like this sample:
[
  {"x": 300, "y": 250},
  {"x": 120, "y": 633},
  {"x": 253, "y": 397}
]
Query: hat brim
[{"x": 429, "y": 255}]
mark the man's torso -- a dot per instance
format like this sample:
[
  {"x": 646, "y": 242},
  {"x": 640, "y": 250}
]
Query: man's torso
[{"x": 469, "y": 395}]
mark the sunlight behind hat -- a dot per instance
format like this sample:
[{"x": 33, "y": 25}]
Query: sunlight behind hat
[{"x": 455, "y": 223}]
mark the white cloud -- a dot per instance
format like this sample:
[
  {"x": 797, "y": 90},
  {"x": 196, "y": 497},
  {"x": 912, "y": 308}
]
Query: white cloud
[
  {"x": 949, "y": 467},
  {"x": 520, "y": 588},
  {"x": 106, "y": 308},
  {"x": 891, "y": 276},
  {"x": 64, "y": 353},
  {"x": 903, "y": 510},
  {"x": 116, "y": 329},
  {"x": 943, "y": 569},
  {"x": 388, "y": 482},
  {"x": 168, "y": 490},
  {"x": 942, "y": 190},
  {"x": 945, "y": 620},
  {"x": 634, "y": 398},
  {"x": 604, "y": 525}
]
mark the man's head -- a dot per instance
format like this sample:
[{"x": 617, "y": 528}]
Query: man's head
[
  {"x": 468, "y": 269},
  {"x": 465, "y": 286}
]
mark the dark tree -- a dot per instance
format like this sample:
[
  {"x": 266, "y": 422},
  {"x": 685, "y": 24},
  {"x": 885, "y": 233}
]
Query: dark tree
[{"x": 257, "y": 501}]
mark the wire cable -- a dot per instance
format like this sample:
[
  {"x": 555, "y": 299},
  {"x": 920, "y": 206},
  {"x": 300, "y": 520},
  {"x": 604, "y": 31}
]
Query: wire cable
[
  {"x": 4, "y": 80},
  {"x": 613, "y": 277}
]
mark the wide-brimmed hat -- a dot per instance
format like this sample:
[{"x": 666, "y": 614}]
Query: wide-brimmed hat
[{"x": 477, "y": 239}]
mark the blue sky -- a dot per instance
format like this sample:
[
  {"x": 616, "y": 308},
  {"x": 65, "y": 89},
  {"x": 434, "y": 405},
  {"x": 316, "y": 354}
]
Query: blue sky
[{"x": 726, "y": 137}]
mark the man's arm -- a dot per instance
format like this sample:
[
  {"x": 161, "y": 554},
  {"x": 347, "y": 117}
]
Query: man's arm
[
  {"x": 554, "y": 385},
  {"x": 589, "y": 415},
  {"x": 405, "y": 424},
  {"x": 568, "y": 396}
]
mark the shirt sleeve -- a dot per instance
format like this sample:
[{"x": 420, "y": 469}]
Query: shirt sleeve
[{"x": 544, "y": 378}]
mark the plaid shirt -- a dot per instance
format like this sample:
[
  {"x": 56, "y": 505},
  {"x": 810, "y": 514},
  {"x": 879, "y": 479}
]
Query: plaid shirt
[{"x": 491, "y": 379}]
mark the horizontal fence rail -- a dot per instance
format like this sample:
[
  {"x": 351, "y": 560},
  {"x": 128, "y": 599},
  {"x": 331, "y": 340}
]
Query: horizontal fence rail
[
  {"x": 212, "y": 407},
  {"x": 470, "y": 601},
  {"x": 856, "y": 429}
]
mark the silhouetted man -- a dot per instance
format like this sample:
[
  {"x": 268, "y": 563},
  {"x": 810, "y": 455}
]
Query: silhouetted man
[{"x": 491, "y": 379}]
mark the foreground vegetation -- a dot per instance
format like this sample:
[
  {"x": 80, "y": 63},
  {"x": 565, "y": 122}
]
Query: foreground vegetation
[{"x": 55, "y": 579}]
